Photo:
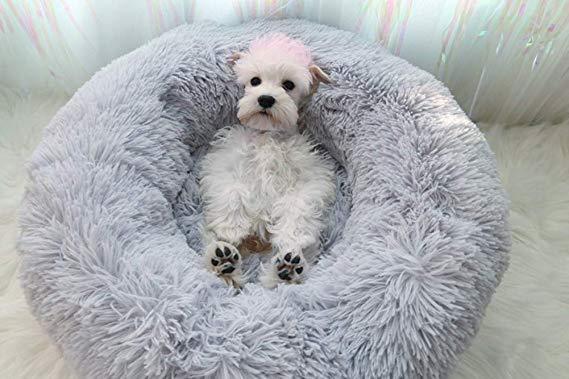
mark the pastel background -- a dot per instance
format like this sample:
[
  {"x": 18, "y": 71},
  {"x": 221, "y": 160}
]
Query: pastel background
[{"x": 504, "y": 60}]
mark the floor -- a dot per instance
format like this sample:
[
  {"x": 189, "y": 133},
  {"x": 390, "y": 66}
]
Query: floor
[{"x": 524, "y": 334}]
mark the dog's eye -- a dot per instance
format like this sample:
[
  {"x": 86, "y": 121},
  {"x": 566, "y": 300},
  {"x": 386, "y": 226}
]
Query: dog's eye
[
  {"x": 288, "y": 85},
  {"x": 255, "y": 81}
]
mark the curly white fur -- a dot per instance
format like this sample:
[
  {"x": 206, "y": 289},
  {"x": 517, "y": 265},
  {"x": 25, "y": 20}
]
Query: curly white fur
[{"x": 264, "y": 178}]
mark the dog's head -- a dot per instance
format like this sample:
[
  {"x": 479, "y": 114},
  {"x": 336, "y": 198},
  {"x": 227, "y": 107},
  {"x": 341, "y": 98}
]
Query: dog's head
[{"x": 277, "y": 72}]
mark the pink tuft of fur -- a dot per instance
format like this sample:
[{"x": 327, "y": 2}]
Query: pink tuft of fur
[{"x": 281, "y": 44}]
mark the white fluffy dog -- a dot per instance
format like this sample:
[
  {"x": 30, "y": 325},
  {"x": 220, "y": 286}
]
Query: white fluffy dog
[{"x": 263, "y": 180}]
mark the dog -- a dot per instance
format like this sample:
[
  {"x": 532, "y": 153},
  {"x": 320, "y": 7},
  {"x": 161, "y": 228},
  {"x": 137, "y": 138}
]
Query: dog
[{"x": 262, "y": 182}]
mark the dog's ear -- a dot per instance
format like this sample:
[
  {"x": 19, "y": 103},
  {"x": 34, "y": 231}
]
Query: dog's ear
[
  {"x": 234, "y": 58},
  {"x": 318, "y": 76}
]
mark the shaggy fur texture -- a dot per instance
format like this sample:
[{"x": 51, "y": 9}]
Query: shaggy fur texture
[
  {"x": 263, "y": 178},
  {"x": 275, "y": 186},
  {"x": 415, "y": 247},
  {"x": 522, "y": 335}
]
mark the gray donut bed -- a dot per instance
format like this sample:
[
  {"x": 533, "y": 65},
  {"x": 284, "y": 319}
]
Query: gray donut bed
[{"x": 416, "y": 242}]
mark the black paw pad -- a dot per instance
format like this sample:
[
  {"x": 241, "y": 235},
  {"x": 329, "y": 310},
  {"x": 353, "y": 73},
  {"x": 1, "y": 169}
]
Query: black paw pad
[
  {"x": 226, "y": 251},
  {"x": 284, "y": 275},
  {"x": 289, "y": 266},
  {"x": 225, "y": 259}
]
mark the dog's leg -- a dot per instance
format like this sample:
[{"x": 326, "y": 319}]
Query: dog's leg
[
  {"x": 226, "y": 226},
  {"x": 295, "y": 230}
]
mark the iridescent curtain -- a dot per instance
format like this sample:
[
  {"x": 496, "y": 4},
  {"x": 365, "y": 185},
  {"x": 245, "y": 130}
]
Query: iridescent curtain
[{"x": 504, "y": 60}]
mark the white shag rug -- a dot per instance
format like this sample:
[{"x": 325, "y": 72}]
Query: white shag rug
[{"x": 524, "y": 334}]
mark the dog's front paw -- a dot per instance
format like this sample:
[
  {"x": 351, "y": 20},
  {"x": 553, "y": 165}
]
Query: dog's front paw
[{"x": 224, "y": 259}]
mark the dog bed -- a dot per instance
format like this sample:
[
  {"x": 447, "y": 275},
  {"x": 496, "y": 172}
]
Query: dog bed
[{"x": 416, "y": 242}]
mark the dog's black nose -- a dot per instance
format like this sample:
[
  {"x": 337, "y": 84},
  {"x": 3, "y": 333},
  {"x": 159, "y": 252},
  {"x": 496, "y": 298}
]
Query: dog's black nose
[{"x": 266, "y": 101}]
